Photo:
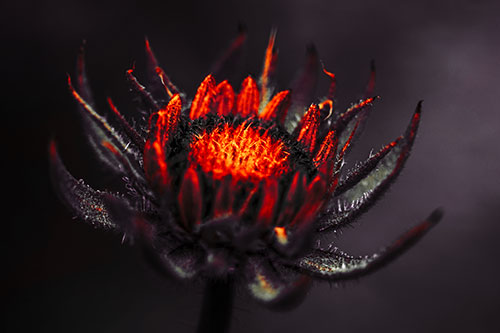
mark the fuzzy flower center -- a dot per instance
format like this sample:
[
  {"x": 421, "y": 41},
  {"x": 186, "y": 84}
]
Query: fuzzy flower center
[{"x": 241, "y": 152}]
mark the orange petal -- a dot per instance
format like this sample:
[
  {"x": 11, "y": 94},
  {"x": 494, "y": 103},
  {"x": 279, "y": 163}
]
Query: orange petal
[
  {"x": 277, "y": 108},
  {"x": 155, "y": 149},
  {"x": 308, "y": 128},
  {"x": 203, "y": 99},
  {"x": 224, "y": 98},
  {"x": 247, "y": 102},
  {"x": 168, "y": 118}
]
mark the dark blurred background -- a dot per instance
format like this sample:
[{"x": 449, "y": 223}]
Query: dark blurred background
[{"x": 64, "y": 276}]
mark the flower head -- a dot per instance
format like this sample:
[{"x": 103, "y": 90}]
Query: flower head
[{"x": 238, "y": 183}]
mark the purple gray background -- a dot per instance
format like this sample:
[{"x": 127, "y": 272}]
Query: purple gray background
[{"x": 63, "y": 276}]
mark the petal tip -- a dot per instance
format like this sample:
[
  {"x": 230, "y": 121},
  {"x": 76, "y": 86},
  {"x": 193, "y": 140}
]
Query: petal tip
[{"x": 436, "y": 216}]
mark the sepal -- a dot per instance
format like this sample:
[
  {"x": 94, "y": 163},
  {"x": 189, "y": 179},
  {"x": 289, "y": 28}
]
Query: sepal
[
  {"x": 85, "y": 202},
  {"x": 273, "y": 285},
  {"x": 364, "y": 187},
  {"x": 340, "y": 266}
]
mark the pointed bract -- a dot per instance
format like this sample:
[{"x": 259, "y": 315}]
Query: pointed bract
[
  {"x": 339, "y": 266},
  {"x": 358, "y": 173},
  {"x": 136, "y": 138},
  {"x": 82, "y": 81},
  {"x": 303, "y": 87},
  {"x": 361, "y": 195},
  {"x": 159, "y": 81},
  {"x": 150, "y": 104},
  {"x": 268, "y": 69},
  {"x": 110, "y": 146},
  {"x": 370, "y": 86},
  {"x": 88, "y": 204},
  {"x": 231, "y": 53}
]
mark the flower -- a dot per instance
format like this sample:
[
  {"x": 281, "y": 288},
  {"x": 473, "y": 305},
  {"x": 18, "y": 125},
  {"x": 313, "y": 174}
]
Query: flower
[{"x": 238, "y": 184}]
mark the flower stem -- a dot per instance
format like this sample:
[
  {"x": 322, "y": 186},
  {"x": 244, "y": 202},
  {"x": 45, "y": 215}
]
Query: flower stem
[{"x": 217, "y": 307}]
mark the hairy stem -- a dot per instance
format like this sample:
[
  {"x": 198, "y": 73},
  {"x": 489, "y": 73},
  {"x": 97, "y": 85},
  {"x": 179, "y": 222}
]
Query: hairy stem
[{"x": 217, "y": 307}]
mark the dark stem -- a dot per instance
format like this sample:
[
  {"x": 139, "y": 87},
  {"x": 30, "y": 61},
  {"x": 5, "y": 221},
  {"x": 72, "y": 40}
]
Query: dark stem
[{"x": 217, "y": 307}]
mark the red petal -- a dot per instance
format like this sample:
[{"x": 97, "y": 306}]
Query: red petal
[
  {"x": 314, "y": 199},
  {"x": 224, "y": 98},
  {"x": 223, "y": 201},
  {"x": 168, "y": 118},
  {"x": 203, "y": 99},
  {"x": 155, "y": 165},
  {"x": 250, "y": 196},
  {"x": 327, "y": 149},
  {"x": 247, "y": 102},
  {"x": 189, "y": 199},
  {"x": 293, "y": 199},
  {"x": 308, "y": 128},
  {"x": 269, "y": 199},
  {"x": 155, "y": 154},
  {"x": 277, "y": 108}
]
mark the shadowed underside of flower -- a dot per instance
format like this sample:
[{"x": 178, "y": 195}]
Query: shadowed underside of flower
[{"x": 238, "y": 183}]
